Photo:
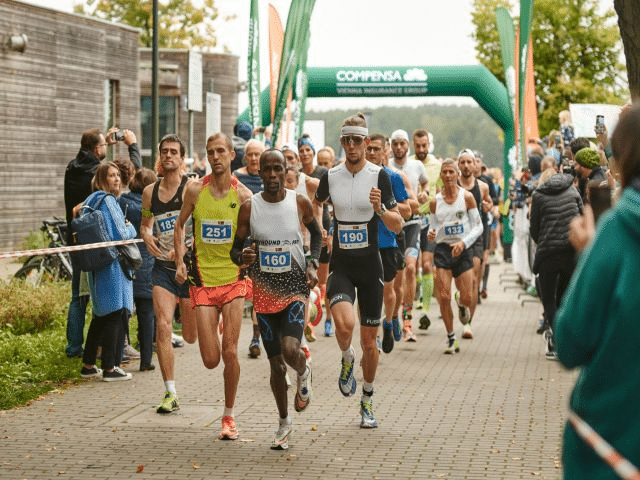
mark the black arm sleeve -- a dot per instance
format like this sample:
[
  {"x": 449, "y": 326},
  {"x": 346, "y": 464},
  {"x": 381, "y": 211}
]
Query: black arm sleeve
[
  {"x": 236, "y": 251},
  {"x": 316, "y": 238},
  {"x": 322, "y": 193},
  {"x": 386, "y": 193},
  {"x": 134, "y": 155}
]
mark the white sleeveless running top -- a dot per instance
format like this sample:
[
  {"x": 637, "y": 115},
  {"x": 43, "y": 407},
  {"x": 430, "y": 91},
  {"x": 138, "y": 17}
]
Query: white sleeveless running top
[{"x": 453, "y": 219}]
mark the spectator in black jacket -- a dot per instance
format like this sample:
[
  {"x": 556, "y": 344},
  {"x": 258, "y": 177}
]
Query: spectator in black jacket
[
  {"x": 589, "y": 169},
  {"x": 77, "y": 187},
  {"x": 554, "y": 203}
]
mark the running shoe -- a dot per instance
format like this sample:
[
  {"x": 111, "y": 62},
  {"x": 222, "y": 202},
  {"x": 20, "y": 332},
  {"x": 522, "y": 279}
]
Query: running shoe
[
  {"x": 327, "y": 328},
  {"x": 308, "y": 334},
  {"x": 116, "y": 375},
  {"x": 550, "y": 349},
  {"x": 346, "y": 380},
  {"x": 453, "y": 346},
  {"x": 397, "y": 332},
  {"x": 542, "y": 326},
  {"x": 229, "y": 430},
  {"x": 281, "y": 438},
  {"x": 466, "y": 331},
  {"x": 409, "y": 336},
  {"x": 387, "y": 337},
  {"x": 254, "y": 347},
  {"x": 303, "y": 392},
  {"x": 463, "y": 311},
  {"x": 169, "y": 403},
  {"x": 177, "y": 341},
  {"x": 425, "y": 323},
  {"x": 368, "y": 418},
  {"x": 90, "y": 372}
]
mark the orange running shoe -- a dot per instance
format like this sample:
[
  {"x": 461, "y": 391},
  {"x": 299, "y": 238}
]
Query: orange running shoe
[{"x": 229, "y": 430}]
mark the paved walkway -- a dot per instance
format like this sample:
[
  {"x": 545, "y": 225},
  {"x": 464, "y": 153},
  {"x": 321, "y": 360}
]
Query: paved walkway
[{"x": 496, "y": 410}]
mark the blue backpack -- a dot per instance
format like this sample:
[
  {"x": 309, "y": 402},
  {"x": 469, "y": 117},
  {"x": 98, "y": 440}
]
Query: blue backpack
[{"x": 90, "y": 227}]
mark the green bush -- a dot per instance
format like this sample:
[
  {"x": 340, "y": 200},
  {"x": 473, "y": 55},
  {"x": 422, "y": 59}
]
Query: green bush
[
  {"x": 28, "y": 309},
  {"x": 33, "y": 364},
  {"x": 35, "y": 240}
]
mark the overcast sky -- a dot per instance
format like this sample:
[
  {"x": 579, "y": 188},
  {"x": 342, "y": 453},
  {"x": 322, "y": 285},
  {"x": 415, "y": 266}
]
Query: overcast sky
[{"x": 357, "y": 33}]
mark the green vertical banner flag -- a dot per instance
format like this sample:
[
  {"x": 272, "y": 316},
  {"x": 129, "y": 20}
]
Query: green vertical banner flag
[
  {"x": 526, "y": 12},
  {"x": 297, "y": 27},
  {"x": 302, "y": 77},
  {"x": 507, "y": 43},
  {"x": 253, "y": 67}
]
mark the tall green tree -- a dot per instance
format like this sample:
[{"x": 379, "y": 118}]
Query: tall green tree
[
  {"x": 575, "y": 53},
  {"x": 629, "y": 23},
  {"x": 181, "y": 23}
]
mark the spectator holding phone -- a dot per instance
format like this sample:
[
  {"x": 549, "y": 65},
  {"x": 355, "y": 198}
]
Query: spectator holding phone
[{"x": 597, "y": 325}]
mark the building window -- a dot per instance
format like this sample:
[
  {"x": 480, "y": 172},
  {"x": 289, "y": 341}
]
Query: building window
[{"x": 167, "y": 122}]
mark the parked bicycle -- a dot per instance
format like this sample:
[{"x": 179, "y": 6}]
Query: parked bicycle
[{"x": 55, "y": 266}]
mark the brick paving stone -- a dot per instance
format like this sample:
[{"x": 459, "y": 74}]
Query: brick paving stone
[{"x": 495, "y": 410}]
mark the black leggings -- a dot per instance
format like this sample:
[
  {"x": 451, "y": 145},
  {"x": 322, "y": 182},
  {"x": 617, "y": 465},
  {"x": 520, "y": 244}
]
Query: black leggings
[
  {"x": 554, "y": 275},
  {"x": 107, "y": 331}
]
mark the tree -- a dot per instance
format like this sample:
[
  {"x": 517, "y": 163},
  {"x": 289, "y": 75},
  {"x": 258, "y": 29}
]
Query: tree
[
  {"x": 575, "y": 54},
  {"x": 181, "y": 24},
  {"x": 629, "y": 22}
]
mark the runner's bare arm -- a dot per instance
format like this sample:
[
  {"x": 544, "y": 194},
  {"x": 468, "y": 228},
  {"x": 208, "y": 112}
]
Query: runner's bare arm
[
  {"x": 188, "y": 204},
  {"x": 487, "y": 203},
  {"x": 412, "y": 200},
  {"x": 146, "y": 223}
]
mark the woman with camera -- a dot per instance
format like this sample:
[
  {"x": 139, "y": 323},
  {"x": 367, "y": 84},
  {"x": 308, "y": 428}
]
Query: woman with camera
[
  {"x": 598, "y": 329},
  {"x": 111, "y": 290}
]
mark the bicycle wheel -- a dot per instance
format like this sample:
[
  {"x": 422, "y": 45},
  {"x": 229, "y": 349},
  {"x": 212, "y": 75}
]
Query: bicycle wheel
[{"x": 32, "y": 271}]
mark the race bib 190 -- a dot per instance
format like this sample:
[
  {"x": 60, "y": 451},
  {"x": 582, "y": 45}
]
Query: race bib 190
[
  {"x": 275, "y": 259},
  {"x": 216, "y": 231},
  {"x": 353, "y": 236}
]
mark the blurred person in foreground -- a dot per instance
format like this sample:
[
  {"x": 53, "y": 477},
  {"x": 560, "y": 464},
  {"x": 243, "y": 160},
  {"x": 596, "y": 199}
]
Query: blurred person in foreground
[{"x": 597, "y": 325}]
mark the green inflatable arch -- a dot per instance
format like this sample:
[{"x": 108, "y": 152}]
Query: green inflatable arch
[{"x": 474, "y": 81}]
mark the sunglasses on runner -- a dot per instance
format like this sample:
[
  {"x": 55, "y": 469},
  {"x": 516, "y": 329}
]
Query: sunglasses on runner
[{"x": 353, "y": 139}]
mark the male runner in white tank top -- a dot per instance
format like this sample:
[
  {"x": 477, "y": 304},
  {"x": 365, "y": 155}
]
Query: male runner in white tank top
[{"x": 454, "y": 225}]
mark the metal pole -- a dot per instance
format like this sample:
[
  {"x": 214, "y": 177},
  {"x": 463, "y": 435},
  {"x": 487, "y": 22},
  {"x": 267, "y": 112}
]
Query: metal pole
[{"x": 155, "y": 116}]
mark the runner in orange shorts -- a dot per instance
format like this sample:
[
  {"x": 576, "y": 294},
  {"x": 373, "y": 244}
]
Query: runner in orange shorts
[{"x": 217, "y": 284}]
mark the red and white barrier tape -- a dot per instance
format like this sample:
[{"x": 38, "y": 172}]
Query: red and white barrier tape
[
  {"x": 71, "y": 248},
  {"x": 623, "y": 467}
]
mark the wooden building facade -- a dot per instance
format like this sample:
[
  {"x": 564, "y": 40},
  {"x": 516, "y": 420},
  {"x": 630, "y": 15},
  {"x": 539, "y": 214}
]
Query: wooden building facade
[
  {"x": 75, "y": 73},
  {"x": 219, "y": 75}
]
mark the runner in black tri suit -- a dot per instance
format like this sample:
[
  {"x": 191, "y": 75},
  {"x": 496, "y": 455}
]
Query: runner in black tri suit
[{"x": 359, "y": 191}]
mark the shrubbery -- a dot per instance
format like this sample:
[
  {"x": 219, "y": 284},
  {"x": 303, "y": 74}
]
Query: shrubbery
[
  {"x": 32, "y": 341},
  {"x": 28, "y": 309}
]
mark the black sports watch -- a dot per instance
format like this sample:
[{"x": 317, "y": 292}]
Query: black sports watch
[{"x": 382, "y": 210}]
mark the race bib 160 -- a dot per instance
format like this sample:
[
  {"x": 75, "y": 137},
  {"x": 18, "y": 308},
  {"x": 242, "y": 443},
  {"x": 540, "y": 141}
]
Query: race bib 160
[{"x": 275, "y": 259}]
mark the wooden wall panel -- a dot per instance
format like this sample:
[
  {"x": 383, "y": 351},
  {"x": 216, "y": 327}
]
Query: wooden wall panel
[{"x": 50, "y": 94}]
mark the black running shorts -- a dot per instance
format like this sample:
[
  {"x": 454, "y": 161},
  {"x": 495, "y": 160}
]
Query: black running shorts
[
  {"x": 442, "y": 258},
  {"x": 348, "y": 274}
]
